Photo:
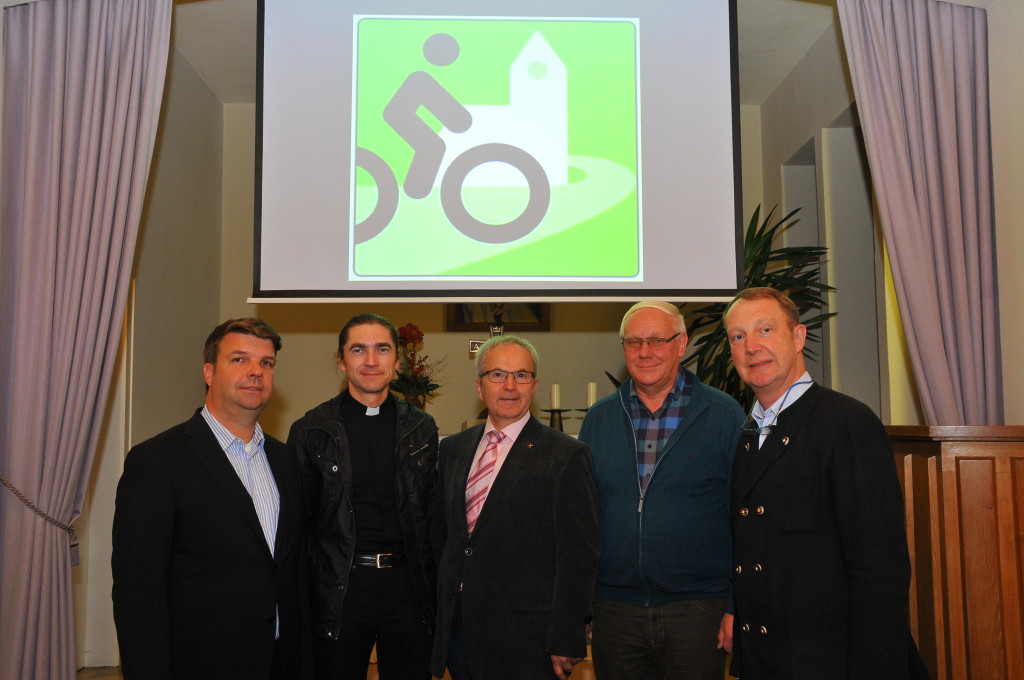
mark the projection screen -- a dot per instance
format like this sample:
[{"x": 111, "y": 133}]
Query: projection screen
[{"x": 456, "y": 150}]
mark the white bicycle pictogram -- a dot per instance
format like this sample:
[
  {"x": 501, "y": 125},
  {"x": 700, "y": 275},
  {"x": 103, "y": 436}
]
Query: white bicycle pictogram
[{"x": 422, "y": 89}]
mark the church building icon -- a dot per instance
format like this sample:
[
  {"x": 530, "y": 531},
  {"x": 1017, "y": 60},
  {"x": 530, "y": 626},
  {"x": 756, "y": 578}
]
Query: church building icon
[{"x": 535, "y": 120}]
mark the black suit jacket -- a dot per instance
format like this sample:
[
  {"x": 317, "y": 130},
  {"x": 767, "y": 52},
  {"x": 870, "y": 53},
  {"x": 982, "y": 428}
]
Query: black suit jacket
[
  {"x": 528, "y": 572},
  {"x": 822, "y": 567},
  {"x": 196, "y": 589}
]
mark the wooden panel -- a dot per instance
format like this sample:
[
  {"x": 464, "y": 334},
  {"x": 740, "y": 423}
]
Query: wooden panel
[
  {"x": 1010, "y": 506},
  {"x": 964, "y": 488},
  {"x": 980, "y": 555}
]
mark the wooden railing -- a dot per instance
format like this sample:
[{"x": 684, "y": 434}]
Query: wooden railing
[{"x": 964, "y": 491}]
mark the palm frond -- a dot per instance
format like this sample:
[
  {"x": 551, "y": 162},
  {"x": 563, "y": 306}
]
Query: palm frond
[{"x": 794, "y": 270}]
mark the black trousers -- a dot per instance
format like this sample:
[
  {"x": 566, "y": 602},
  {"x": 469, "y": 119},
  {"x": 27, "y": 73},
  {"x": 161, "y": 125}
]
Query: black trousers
[{"x": 380, "y": 608}]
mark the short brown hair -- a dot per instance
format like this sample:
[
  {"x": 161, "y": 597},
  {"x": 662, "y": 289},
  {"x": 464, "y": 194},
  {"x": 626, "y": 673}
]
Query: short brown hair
[
  {"x": 249, "y": 326},
  {"x": 762, "y": 293}
]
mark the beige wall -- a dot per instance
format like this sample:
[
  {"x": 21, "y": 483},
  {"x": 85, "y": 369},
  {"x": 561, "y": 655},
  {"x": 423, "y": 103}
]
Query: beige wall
[
  {"x": 177, "y": 267},
  {"x": 815, "y": 93},
  {"x": 1006, "y": 66}
]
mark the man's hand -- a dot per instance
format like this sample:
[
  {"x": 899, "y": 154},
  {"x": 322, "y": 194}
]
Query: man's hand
[
  {"x": 725, "y": 634},
  {"x": 562, "y": 665}
]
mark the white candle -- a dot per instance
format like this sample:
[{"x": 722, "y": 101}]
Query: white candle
[
  {"x": 556, "y": 396},
  {"x": 591, "y": 393}
]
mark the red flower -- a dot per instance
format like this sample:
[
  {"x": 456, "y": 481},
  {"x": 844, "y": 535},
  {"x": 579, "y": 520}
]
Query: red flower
[{"x": 409, "y": 335}]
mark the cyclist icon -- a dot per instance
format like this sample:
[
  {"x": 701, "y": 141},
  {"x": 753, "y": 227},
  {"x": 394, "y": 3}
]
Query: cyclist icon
[{"x": 422, "y": 89}]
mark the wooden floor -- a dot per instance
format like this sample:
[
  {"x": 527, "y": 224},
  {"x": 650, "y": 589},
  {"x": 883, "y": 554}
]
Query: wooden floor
[
  {"x": 583, "y": 671},
  {"x": 114, "y": 673}
]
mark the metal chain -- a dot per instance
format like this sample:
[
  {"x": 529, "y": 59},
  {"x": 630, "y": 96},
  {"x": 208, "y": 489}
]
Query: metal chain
[{"x": 32, "y": 506}]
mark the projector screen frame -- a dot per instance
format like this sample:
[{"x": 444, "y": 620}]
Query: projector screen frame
[{"x": 480, "y": 292}]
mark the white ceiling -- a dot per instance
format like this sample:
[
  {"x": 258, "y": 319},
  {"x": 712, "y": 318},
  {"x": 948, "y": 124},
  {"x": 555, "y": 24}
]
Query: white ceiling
[{"x": 218, "y": 37}]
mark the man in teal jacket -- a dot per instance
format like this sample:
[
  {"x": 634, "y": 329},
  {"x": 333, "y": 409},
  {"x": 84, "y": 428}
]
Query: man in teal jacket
[{"x": 663, "y": 448}]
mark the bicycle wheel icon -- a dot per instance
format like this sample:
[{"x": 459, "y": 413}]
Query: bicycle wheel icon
[
  {"x": 451, "y": 194},
  {"x": 518, "y": 227},
  {"x": 387, "y": 195}
]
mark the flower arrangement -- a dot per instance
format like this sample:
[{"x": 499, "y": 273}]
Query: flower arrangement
[{"x": 416, "y": 375}]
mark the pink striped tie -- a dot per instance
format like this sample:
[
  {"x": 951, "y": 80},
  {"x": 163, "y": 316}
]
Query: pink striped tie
[{"x": 479, "y": 482}]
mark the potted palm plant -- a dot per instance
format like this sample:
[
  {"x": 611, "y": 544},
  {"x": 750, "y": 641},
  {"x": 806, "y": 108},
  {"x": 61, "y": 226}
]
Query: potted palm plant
[{"x": 794, "y": 270}]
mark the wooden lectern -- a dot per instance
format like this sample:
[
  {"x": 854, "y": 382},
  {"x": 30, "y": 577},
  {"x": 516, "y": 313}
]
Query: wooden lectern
[{"x": 964, "y": 491}]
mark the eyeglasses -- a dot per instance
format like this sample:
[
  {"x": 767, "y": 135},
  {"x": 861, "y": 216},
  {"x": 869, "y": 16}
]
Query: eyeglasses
[
  {"x": 500, "y": 375},
  {"x": 655, "y": 343}
]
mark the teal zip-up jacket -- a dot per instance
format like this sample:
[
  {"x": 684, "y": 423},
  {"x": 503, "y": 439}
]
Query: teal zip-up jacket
[{"x": 675, "y": 542}]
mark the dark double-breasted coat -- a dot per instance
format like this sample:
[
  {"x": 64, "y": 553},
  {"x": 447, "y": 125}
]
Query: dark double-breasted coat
[
  {"x": 821, "y": 562},
  {"x": 196, "y": 588},
  {"x": 527, "y": 574}
]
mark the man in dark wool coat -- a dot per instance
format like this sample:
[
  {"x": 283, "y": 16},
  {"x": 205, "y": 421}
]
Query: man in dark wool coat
[{"x": 821, "y": 571}]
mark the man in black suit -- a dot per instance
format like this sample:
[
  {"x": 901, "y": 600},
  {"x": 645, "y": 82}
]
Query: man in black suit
[
  {"x": 821, "y": 570},
  {"x": 207, "y": 532},
  {"x": 517, "y": 534}
]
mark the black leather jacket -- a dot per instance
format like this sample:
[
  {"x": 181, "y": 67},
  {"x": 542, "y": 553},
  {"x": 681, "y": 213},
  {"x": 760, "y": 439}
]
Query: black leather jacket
[{"x": 325, "y": 469}]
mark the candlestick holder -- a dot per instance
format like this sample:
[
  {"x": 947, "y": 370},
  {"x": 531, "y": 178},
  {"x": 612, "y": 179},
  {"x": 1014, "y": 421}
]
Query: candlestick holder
[{"x": 556, "y": 417}]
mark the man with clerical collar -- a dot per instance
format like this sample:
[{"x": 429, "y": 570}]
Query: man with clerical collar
[
  {"x": 516, "y": 531},
  {"x": 367, "y": 463},
  {"x": 207, "y": 537},
  {"x": 663, "y": 448},
  {"x": 821, "y": 563}
]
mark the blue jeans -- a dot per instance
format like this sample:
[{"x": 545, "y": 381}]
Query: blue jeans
[{"x": 676, "y": 641}]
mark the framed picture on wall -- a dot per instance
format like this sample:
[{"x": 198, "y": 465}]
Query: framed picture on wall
[{"x": 515, "y": 316}]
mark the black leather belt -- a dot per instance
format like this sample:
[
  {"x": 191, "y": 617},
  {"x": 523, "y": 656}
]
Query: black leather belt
[{"x": 379, "y": 561}]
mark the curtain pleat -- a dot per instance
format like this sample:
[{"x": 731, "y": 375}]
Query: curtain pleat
[
  {"x": 920, "y": 76},
  {"x": 83, "y": 84}
]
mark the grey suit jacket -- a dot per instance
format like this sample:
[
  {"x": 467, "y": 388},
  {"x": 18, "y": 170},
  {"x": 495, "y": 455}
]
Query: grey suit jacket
[{"x": 527, "y": 574}]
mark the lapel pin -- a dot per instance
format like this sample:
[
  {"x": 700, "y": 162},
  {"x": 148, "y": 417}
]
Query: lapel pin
[{"x": 785, "y": 441}]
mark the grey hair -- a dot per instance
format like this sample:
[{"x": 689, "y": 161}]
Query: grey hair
[
  {"x": 667, "y": 307},
  {"x": 481, "y": 354}
]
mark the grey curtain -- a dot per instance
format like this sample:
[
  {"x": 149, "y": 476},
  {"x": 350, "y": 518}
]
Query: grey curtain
[
  {"x": 920, "y": 76},
  {"x": 82, "y": 89}
]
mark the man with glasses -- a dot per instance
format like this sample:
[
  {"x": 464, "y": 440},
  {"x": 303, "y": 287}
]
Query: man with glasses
[
  {"x": 822, "y": 569},
  {"x": 663, "y": 448},
  {"x": 516, "y": 534}
]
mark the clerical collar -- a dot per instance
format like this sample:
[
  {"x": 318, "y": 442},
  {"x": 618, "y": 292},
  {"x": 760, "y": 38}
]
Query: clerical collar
[{"x": 352, "y": 407}]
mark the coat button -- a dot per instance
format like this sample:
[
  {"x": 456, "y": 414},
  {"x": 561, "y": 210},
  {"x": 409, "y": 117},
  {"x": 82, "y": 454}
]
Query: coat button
[
  {"x": 760, "y": 510},
  {"x": 744, "y": 512},
  {"x": 747, "y": 446},
  {"x": 757, "y": 567},
  {"x": 764, "y": 631},
  {"x": 334, "y": 468},
  {"x": 785, "y": 441},
  {"x": 745, "y": 628},
  {"x": 739, "y": 568},
  {"x": 468, "y": 551}
]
